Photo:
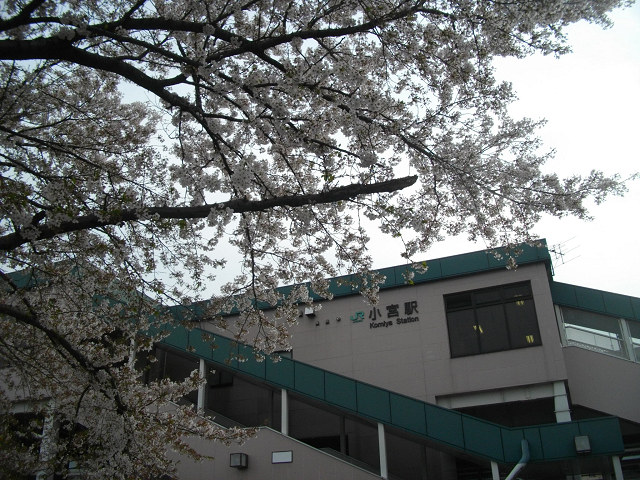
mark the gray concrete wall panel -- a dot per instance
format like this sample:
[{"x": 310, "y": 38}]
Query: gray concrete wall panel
[
  {"x": 308, "y": 463},
  {"x": 604, "y": 383},
  {"x": 413, "y": 358}
]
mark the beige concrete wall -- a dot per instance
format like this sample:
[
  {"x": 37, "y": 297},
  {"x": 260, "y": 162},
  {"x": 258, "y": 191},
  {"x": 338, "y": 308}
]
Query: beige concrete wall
[
  {"x": 413, "y": 358},
  {"x": 308, "y": 463}
]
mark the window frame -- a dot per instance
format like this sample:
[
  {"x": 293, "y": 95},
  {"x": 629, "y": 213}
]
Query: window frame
[{"x": 470, "y": 304}]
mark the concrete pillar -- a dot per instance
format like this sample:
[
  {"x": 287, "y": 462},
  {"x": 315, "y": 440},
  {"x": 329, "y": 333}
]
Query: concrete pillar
[
  {"x": 382, "y": 448},
  {"x": 284, "y": 412},
  {"x": 561, "y": 402},
  {"x": 343, "y": 435},
  {"x": 50, "y": 431},
  {"x": 627, "y": 341},
  {"x": 495, "y": 473},
  {"x": 617, "y": 467},
  {"x": 202, "y": 388},
  {"x": 131, "y": 363},
  {"x": 561, "y": 329}
]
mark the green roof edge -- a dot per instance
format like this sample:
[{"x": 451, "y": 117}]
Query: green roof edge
[
  {"x": 445, "y": 267},
  {"x": 396, "y": 276},
  {"x": 597, "y": 301}
]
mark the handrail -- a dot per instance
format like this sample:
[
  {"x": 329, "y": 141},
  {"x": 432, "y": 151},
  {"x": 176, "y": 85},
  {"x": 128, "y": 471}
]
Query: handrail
[
  {"x": 613, "y": 339},
  {"x": 625, "y": 350}
]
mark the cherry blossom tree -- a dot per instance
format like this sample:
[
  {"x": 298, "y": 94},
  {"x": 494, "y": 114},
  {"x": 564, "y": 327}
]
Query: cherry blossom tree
[{"x": 138, "y": 136}]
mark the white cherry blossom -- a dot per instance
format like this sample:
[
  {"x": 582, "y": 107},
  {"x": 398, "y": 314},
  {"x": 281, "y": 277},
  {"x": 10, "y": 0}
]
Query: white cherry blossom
[{"x": 138, "y": 136}]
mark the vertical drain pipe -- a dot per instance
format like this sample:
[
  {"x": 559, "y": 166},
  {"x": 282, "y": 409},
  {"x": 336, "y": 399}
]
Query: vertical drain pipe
[
  {"x": 522, "y": 462},
  {"x": 284, "y": 412}
]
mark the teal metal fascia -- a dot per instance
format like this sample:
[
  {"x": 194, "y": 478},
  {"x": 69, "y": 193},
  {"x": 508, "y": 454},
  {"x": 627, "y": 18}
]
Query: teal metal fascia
[
  {"x": 25, "y": 279},
  {"x": 30, "y": 277},
  {"x": 598, "y": 301},
  {"x": 446, "y": 267},
  {"x": 436, "y": 269},
  {"x": 467, "y": 434}
]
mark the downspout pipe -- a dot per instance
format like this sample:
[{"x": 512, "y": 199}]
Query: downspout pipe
[{"x": 522, "y": 462}]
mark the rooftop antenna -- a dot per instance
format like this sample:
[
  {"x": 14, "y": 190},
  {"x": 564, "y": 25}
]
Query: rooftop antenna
[{"x": 562, "y": 250}]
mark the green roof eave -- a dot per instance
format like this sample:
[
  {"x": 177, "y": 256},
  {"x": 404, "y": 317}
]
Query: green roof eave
[
  {"x": 446, "y": 267},
  {"x": 436, "y": 269},
  {"x": 396, "y": 276},
  {"x": 597, "y": 301}
]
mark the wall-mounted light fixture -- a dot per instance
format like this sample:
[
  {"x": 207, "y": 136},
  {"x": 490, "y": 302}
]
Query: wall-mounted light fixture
[
  {"x": 282, "y": 457},
  {"x": 238, "y": 460},
  {"x": 583, "y": 445},
  {"x": 309, "y": 312}
]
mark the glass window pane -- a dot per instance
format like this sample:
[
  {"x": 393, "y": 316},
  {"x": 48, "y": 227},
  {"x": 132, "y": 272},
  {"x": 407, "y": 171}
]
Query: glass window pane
[
  {"x": 492, "y": 329},
  {"x": 590, "y": 320},
  {"x": 487, "y": 296},
  {"x": 463, "y": 337},
  {"x": 459, "y": 300},
  {"x": 178, "y": 367},
  {"x": 515, "y": 291},
  {"x": 634, "y": 329},
  {"x": 217, "y": 377},
  {"x": 600, "y": 332},
  {"x": 523, "y": 324},
  {"x": 480, "y": 321}
]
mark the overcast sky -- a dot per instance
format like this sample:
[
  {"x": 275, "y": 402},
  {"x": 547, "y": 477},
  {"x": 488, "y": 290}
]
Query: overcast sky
[{"x": 591, "y": 99}]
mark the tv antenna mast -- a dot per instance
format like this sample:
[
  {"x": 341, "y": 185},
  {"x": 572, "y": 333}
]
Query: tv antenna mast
[{"x": 562, "y": 250}]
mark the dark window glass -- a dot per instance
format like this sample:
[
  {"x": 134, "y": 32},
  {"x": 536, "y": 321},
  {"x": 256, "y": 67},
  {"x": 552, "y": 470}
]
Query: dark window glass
[
  {"x": 523, "y": 324},
  {"x": 516, "y": 291},
  {"x": 487, "y": 296},
  {"x": 178, "y": 367},
  {"x": 458, "y": 301},
  {"x": 491, "y": 329},
  {"x": 218, "y": 378},
  {"x": 491, "y": 320},
  {"x": 462, "y": 333}
]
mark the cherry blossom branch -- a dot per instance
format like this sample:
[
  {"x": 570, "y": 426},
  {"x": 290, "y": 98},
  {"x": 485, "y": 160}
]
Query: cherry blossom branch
[
  {"x": 22, "y": 17},
  {"x": 34, "y": 231}
]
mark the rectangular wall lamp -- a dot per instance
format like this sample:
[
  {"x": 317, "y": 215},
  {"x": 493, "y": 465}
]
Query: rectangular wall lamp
[
  {"x": 238, "y": 460},
  {"x": 583, "y": 445}
]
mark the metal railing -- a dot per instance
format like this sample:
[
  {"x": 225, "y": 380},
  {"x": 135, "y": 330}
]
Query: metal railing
[
  {"x": 614, "y": 338},
  {"x": 599, "y": 341}
]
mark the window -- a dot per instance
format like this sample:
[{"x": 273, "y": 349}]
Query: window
[
  {"x": 491, "y": 320},
  {"x": 218, "y": 378},
  {"x": 602, "y": 333},
  {"x": 284, "y": 353},
  {"x": 634, "y": 331}
]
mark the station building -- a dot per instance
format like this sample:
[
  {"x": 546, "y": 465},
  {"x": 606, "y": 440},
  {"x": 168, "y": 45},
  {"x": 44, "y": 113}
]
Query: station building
[{"x": 468, "y": 371}]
